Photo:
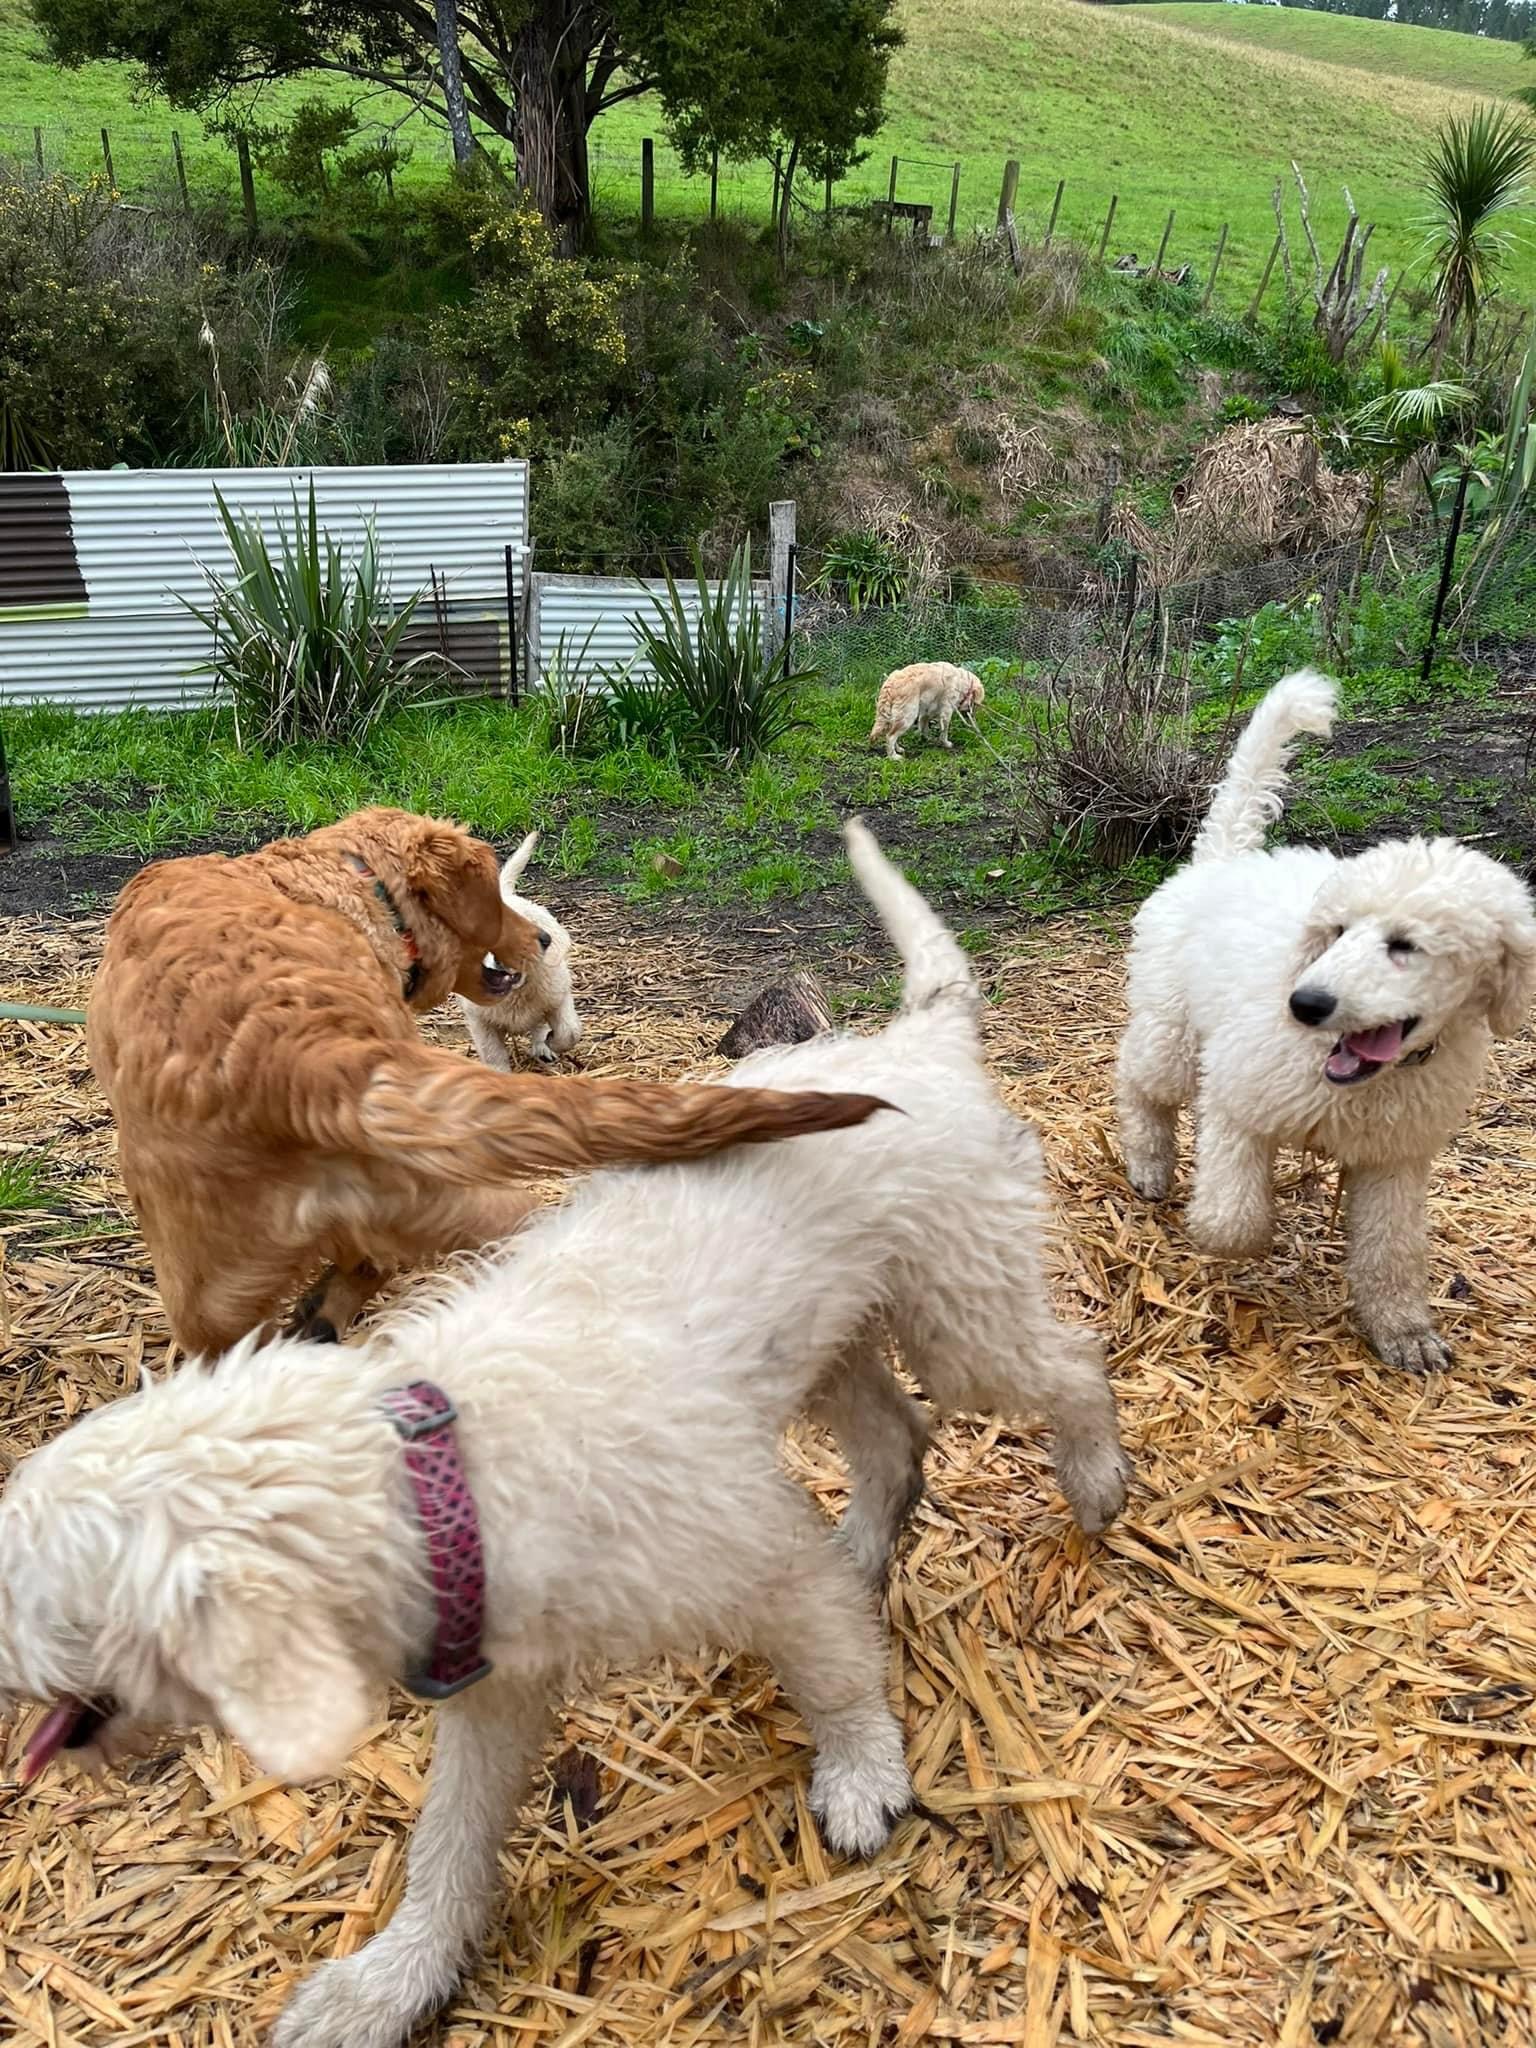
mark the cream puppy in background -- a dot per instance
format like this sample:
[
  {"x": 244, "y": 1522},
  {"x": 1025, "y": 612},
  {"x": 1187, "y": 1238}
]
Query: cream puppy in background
[
  {"x": 927, "y": 690},
  {"x": 543, "y": 1009},
  {"x": 1344, "y": 1007}
]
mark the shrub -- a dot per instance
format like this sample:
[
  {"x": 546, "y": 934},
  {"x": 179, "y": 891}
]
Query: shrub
[
  {"x": 864, "y": 570},
  {"x": 732, "y": 697},
  {"x": 101, "y": 314},
  {"x": 307, "y": 647}
]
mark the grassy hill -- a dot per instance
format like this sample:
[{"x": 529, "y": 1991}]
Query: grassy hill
[
  {"x": 1194, "y": 109},
  {"x": 1432, "y": 56}
]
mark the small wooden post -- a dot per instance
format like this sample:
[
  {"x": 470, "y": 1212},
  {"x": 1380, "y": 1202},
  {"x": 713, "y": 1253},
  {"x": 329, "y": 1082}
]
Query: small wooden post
[
  {"x": 890, "y": 197},
  {"x": 1050, "y": 226},
  {"x": 1010, "y": 190},
  {"x": 714, "y": 183},
  {"x": 1252, "y": 313},
  {"x": 37, "y": 150},
  {"x": 826, "y": 205},
  {"x": 647, "y": 183},
  {"x": 181, "y": 171},
  {"x": 778, "y": 181},
  {"x": 954, "y": 202},
  {"x": 1210, "y": 283},
  {"x": 106, "y": 157},
  {"x": 1011, "y": 237},
  {"x": 247, "y": 183},
  {"x": 781, "y": 551},
  {"x": 1162, "y": 247},
  {"x": 1109, "y": 221}
]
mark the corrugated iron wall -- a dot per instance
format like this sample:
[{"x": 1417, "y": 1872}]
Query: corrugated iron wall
[
  {"x": 598, "y": 618},
  {"x": 94, "y": 564}
]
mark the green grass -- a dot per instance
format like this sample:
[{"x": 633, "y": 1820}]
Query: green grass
[
  {"x": 24, "y": 1183},
  {"x": 1193, "y": 109},
  {"x": 1389, "y": 49}
]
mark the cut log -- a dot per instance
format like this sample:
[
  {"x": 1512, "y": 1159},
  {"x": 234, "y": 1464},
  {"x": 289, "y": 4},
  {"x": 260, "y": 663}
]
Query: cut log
[{"x": 786, "y": 1014}]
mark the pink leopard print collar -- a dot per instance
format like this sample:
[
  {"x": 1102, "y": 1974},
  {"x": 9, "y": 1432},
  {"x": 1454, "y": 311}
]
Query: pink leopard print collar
[{"x": 445, "y": 1507}]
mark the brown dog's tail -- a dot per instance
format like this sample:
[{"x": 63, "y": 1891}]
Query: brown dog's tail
[{"x": 460, "y": 1122}]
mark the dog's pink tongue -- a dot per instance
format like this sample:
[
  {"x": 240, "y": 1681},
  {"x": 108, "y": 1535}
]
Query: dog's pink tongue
[
  {"x": 1378, "y": 1046},
  {"x": 50, "y": 1736}
]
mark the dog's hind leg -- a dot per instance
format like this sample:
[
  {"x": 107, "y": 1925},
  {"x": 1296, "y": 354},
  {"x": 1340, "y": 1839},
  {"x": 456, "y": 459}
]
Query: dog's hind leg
[
  {"x": 1389, "y": 1265},
  {"x": 488, "y": 1742},
  {"x": 815, "y": 1625},
  {"x": 883, "y": 1434},
  {"x": 1153, "y": 1076}
]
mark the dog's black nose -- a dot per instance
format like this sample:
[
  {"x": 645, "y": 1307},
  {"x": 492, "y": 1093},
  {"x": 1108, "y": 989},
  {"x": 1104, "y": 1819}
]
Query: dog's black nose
[
  {"x": 544, "y": 938},
  {"x": 1313, "y": 1005}
]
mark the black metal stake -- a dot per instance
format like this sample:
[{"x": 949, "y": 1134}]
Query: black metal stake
[
  {"x": 512, "y": 686},
  {"x": 789, "y": 601},
  {"x": 1447, "y": 571},
  {"x": 9, "y": 840}
]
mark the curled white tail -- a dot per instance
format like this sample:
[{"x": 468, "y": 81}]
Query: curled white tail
[
  {"x": 1248, "y": 797},
  {"x": 936, "y": 964},
  {"x": 512, "y": 867}
]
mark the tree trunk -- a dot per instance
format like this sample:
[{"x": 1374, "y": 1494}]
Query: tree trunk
[
  {"x": 786, "y": 196},
  {"x": 453, "y": 80},
  {"x": 549, "y": 119}
]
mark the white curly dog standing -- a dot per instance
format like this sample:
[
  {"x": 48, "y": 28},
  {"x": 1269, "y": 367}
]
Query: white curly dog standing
[
  {"x": 249, "y": 1544},
  {"x": 1343, "y": 1006},
  {"x": 543, "y": 1008}
]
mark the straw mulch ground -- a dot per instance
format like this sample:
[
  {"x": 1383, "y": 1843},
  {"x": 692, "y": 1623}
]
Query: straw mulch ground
[{"x": 1255, "y": 1770}]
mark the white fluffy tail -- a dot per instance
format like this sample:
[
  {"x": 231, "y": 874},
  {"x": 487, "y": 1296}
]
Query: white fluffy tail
[
  {"x": 1248, "y": 797},
  {"x": 513, "y": 865},
  {"x": 937, "y": 966}
]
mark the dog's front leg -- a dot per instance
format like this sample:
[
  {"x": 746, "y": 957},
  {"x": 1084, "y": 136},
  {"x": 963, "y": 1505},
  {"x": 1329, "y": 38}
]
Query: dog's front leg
[
  {"x": 488, "y": 1741},
  {"x": 1389, "y": 1265},
  {"x": 1231, "y": 1213},
  {"x": 485, "y": 1038}
]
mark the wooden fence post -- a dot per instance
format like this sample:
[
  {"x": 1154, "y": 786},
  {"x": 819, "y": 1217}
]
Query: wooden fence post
[
  {"x": 37, "y": 148},
  {"x": 781, "y": 550},
  {"x": 647, "y": 183},
  {"x": 1162, "y": 247},
  {"x": 890, "y": 197},
  {"x": 247, "y": 183},
  {"x": 1109, "y": 221},
  {"x": 954, "y": 202},
  {"x": 1210, "y": 283},
  {"x": 778, "y": 182},
  {"x": 1010, "y": 190},
  {"x": 106, "y": 157},
  {"x": 181, "y": 171},
  {"x": 714, "y": 183},
  {"x": 1252, "y": 313},
  {"x": 1050, "y": 226},
  {"x": 826, "y": 206}
]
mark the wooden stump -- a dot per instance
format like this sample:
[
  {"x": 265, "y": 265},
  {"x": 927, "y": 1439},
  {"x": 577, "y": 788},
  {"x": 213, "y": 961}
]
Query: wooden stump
[{"x": 786, "y": 1014}]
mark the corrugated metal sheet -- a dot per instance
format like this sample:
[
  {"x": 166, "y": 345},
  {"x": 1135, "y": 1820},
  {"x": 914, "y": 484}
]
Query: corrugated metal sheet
[
  {"x": 142, "y": 539},
  {"x": 599, "y": 618}
]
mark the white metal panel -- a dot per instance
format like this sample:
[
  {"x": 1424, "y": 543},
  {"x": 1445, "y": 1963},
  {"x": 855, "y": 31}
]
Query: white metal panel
[
  {"x": 600, "y": 618},
  {"x": 144, "y": 536},
  {"x": 105, "y": 663}
]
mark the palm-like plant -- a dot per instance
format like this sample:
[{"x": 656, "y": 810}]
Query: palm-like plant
[
  {"x": 1404, "y": 421},
  {"x": 1476, "y": 171}
]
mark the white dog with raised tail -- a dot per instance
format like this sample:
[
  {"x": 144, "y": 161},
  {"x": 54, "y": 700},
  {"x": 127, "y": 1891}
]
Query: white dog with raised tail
[
  {"x": 264, "y": 1543},
  {"x": 543, "y": 1008},
  {"x": 1342, "y": 1006}
]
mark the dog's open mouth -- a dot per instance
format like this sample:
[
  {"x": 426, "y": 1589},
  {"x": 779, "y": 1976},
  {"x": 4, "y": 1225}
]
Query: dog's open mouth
[
  {"x": 1359, "y": 1055},
  {"x": 497, "y": 980},
  {"x": 71, "y": 1724}
]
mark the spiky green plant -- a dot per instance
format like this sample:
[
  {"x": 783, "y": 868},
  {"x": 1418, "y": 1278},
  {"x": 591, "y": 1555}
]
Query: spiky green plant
[
  {"x": 1404, "y": 421},
  {"x": 1477, "y": 171},
  {"x": 735, "y": 698},
  {"x": 307, "y": 646}
]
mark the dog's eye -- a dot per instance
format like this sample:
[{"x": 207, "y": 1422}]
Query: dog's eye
[{"x": 1400, "y": 948}]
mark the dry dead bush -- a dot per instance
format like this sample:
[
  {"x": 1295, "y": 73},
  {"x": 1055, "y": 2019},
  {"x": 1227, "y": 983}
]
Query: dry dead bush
[{"x": 1260, "y": 488}]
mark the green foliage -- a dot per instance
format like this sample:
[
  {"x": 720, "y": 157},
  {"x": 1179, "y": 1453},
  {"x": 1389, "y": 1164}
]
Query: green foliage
[
  {"x": 308, "y": 648},
  {"x": 311, "y": 158},
  {"x": 1477, "y": 172},
  {"x": 737, "y": 699},
  {"x": 101, "y": 319},
  {"x": 24, "y": 1182},
  {"x": 864, "y": 570}
]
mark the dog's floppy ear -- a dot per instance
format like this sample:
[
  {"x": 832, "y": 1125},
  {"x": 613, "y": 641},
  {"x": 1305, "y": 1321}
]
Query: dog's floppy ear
[
  {"x": 279, "y": 1680},
  {"x": 453, "y": 874},
  {"x": 1513, "y": 986}
]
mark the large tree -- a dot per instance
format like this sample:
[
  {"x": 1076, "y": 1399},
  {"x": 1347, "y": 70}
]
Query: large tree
[{"x": 538, "y": 72}]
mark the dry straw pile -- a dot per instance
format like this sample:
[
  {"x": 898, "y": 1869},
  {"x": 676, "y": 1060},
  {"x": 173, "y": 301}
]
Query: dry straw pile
[{"x": 1255, "y": 1770}]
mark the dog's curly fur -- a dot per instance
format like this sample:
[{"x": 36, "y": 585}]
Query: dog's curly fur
[
  {"x": 276, "y": 1109},
  {"x": 1343, "y": 1006},
  {"x": 236, "y": 1544},
  {"x": 543, "y": 1009}
]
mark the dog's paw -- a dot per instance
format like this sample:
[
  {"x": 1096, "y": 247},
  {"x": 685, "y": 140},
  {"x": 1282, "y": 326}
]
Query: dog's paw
[
  {"x": 545, "y": 1056},
  {"x": 1095, "y": 1487},
  {"x": 858, "y": 1802},
  {"x": 352, "y": 2003},
  {"x": 1151, "y": 1178},
  {"x": 1421, "y": 1349}
]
